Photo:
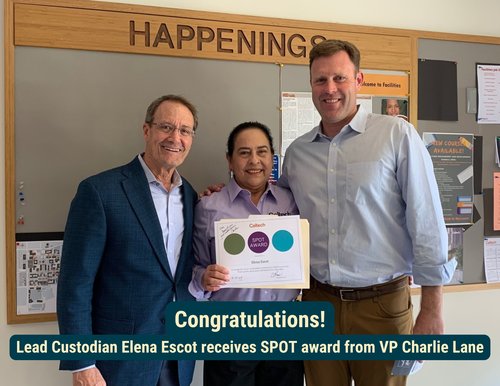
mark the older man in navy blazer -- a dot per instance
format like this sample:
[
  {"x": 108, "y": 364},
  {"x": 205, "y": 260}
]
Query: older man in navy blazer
[{"x": 127, "y": 250}]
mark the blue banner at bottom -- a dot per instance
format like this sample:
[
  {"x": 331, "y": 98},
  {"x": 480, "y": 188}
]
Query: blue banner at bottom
[
  {"x": 250, "y": 331},
  {"x": 344, "y": 347}
]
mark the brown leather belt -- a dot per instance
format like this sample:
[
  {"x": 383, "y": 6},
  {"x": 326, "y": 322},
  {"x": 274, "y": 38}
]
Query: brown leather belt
[{"x": 361, "y": 293}]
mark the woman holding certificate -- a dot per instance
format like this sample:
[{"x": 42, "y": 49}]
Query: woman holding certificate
[{"x": 250, "y": 159}]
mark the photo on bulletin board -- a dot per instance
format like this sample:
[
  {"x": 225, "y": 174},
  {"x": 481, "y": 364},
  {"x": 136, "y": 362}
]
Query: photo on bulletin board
[{"x": 388, "y": 105}]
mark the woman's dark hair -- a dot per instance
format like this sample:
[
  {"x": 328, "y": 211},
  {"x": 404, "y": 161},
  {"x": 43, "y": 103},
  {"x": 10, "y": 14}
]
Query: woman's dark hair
[{"x": 245, "y": 126}]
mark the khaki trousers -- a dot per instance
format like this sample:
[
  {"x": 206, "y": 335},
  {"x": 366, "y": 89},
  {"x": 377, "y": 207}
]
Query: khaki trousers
[{"x": 385, "y": 314}]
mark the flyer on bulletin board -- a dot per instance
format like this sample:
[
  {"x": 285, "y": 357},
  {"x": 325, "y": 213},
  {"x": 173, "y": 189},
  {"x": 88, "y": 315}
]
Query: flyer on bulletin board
[
  {"x": 452, "y": 158},
  {"x": 492, "y": 259},
  {"x": 496, "y": 201},
  {"x": 264, "y": 251}
]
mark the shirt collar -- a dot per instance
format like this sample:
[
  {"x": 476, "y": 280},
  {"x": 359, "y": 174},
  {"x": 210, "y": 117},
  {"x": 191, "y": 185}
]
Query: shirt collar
[
  {"x": 234, "y": 190},
  {"x": 176, "y": 178},
  {"x": 358, "y": 123}
]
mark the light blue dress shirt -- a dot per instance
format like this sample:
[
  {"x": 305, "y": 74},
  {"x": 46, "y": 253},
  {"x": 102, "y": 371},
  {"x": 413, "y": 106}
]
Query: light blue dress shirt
[
  {"x": 235, "y": 202},
  {"x": 372, "y": 202},
  {"x": 168, "y": 207}
]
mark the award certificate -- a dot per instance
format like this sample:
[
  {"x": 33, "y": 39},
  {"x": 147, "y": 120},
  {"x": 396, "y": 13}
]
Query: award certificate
[{"x": 264, "y": 251}]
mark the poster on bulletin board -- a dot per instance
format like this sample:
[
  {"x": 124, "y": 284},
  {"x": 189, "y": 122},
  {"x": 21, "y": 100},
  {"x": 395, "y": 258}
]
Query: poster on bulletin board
[{"x": 452, "y": 157}]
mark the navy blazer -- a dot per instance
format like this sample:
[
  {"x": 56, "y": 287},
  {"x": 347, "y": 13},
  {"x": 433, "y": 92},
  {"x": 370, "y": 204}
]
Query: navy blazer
[{"x": 115, "y": 277}]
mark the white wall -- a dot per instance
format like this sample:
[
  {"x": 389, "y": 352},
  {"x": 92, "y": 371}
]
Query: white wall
[
  {"x": 465, "y": 313},
  {"x": 477, "y": 18}
]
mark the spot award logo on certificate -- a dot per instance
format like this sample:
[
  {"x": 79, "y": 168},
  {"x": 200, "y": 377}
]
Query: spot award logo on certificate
[{"x": 264, "y": 251}]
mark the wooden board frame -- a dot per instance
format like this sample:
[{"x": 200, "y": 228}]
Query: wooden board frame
[{"x": 113, "y": 27}]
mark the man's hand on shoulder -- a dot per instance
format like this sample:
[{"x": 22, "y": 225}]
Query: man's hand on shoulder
[
  {"x": 88, "y": 377},
  {"x": 211, "y": 189}
]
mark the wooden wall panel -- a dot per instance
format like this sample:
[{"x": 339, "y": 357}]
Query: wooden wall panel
[{"x": 173, "y": 35}]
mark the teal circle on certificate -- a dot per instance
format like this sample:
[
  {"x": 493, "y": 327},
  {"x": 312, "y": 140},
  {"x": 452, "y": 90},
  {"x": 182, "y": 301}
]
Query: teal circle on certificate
[
  {"x": 234, "y": 244},
  {"x": 282, "y": 240}
]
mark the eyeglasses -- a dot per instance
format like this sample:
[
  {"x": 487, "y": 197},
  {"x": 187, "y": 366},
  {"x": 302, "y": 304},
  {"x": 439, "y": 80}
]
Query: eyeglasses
[{"x": 167, "y": 128}]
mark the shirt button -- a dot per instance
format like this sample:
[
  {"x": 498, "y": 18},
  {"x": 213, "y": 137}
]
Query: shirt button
[
  {"x": 333, "y": 231},
  {"x": 333, "y": 261},
  {"x": 332, "y": 170},
  {"x": 334, "y": 144},
  {"x": 332, "y": 200}
]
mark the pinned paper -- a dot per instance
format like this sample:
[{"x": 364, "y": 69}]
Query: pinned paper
[{"x": 496, "y": 201}]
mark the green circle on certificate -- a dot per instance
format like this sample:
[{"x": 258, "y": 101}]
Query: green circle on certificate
[
  {"x": 234, "y": 244},
  {"x": 282, "y": 240}
]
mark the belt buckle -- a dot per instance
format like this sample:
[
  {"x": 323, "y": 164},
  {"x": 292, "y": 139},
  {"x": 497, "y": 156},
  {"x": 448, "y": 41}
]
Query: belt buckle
[{"x": 342, "y": 291}]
